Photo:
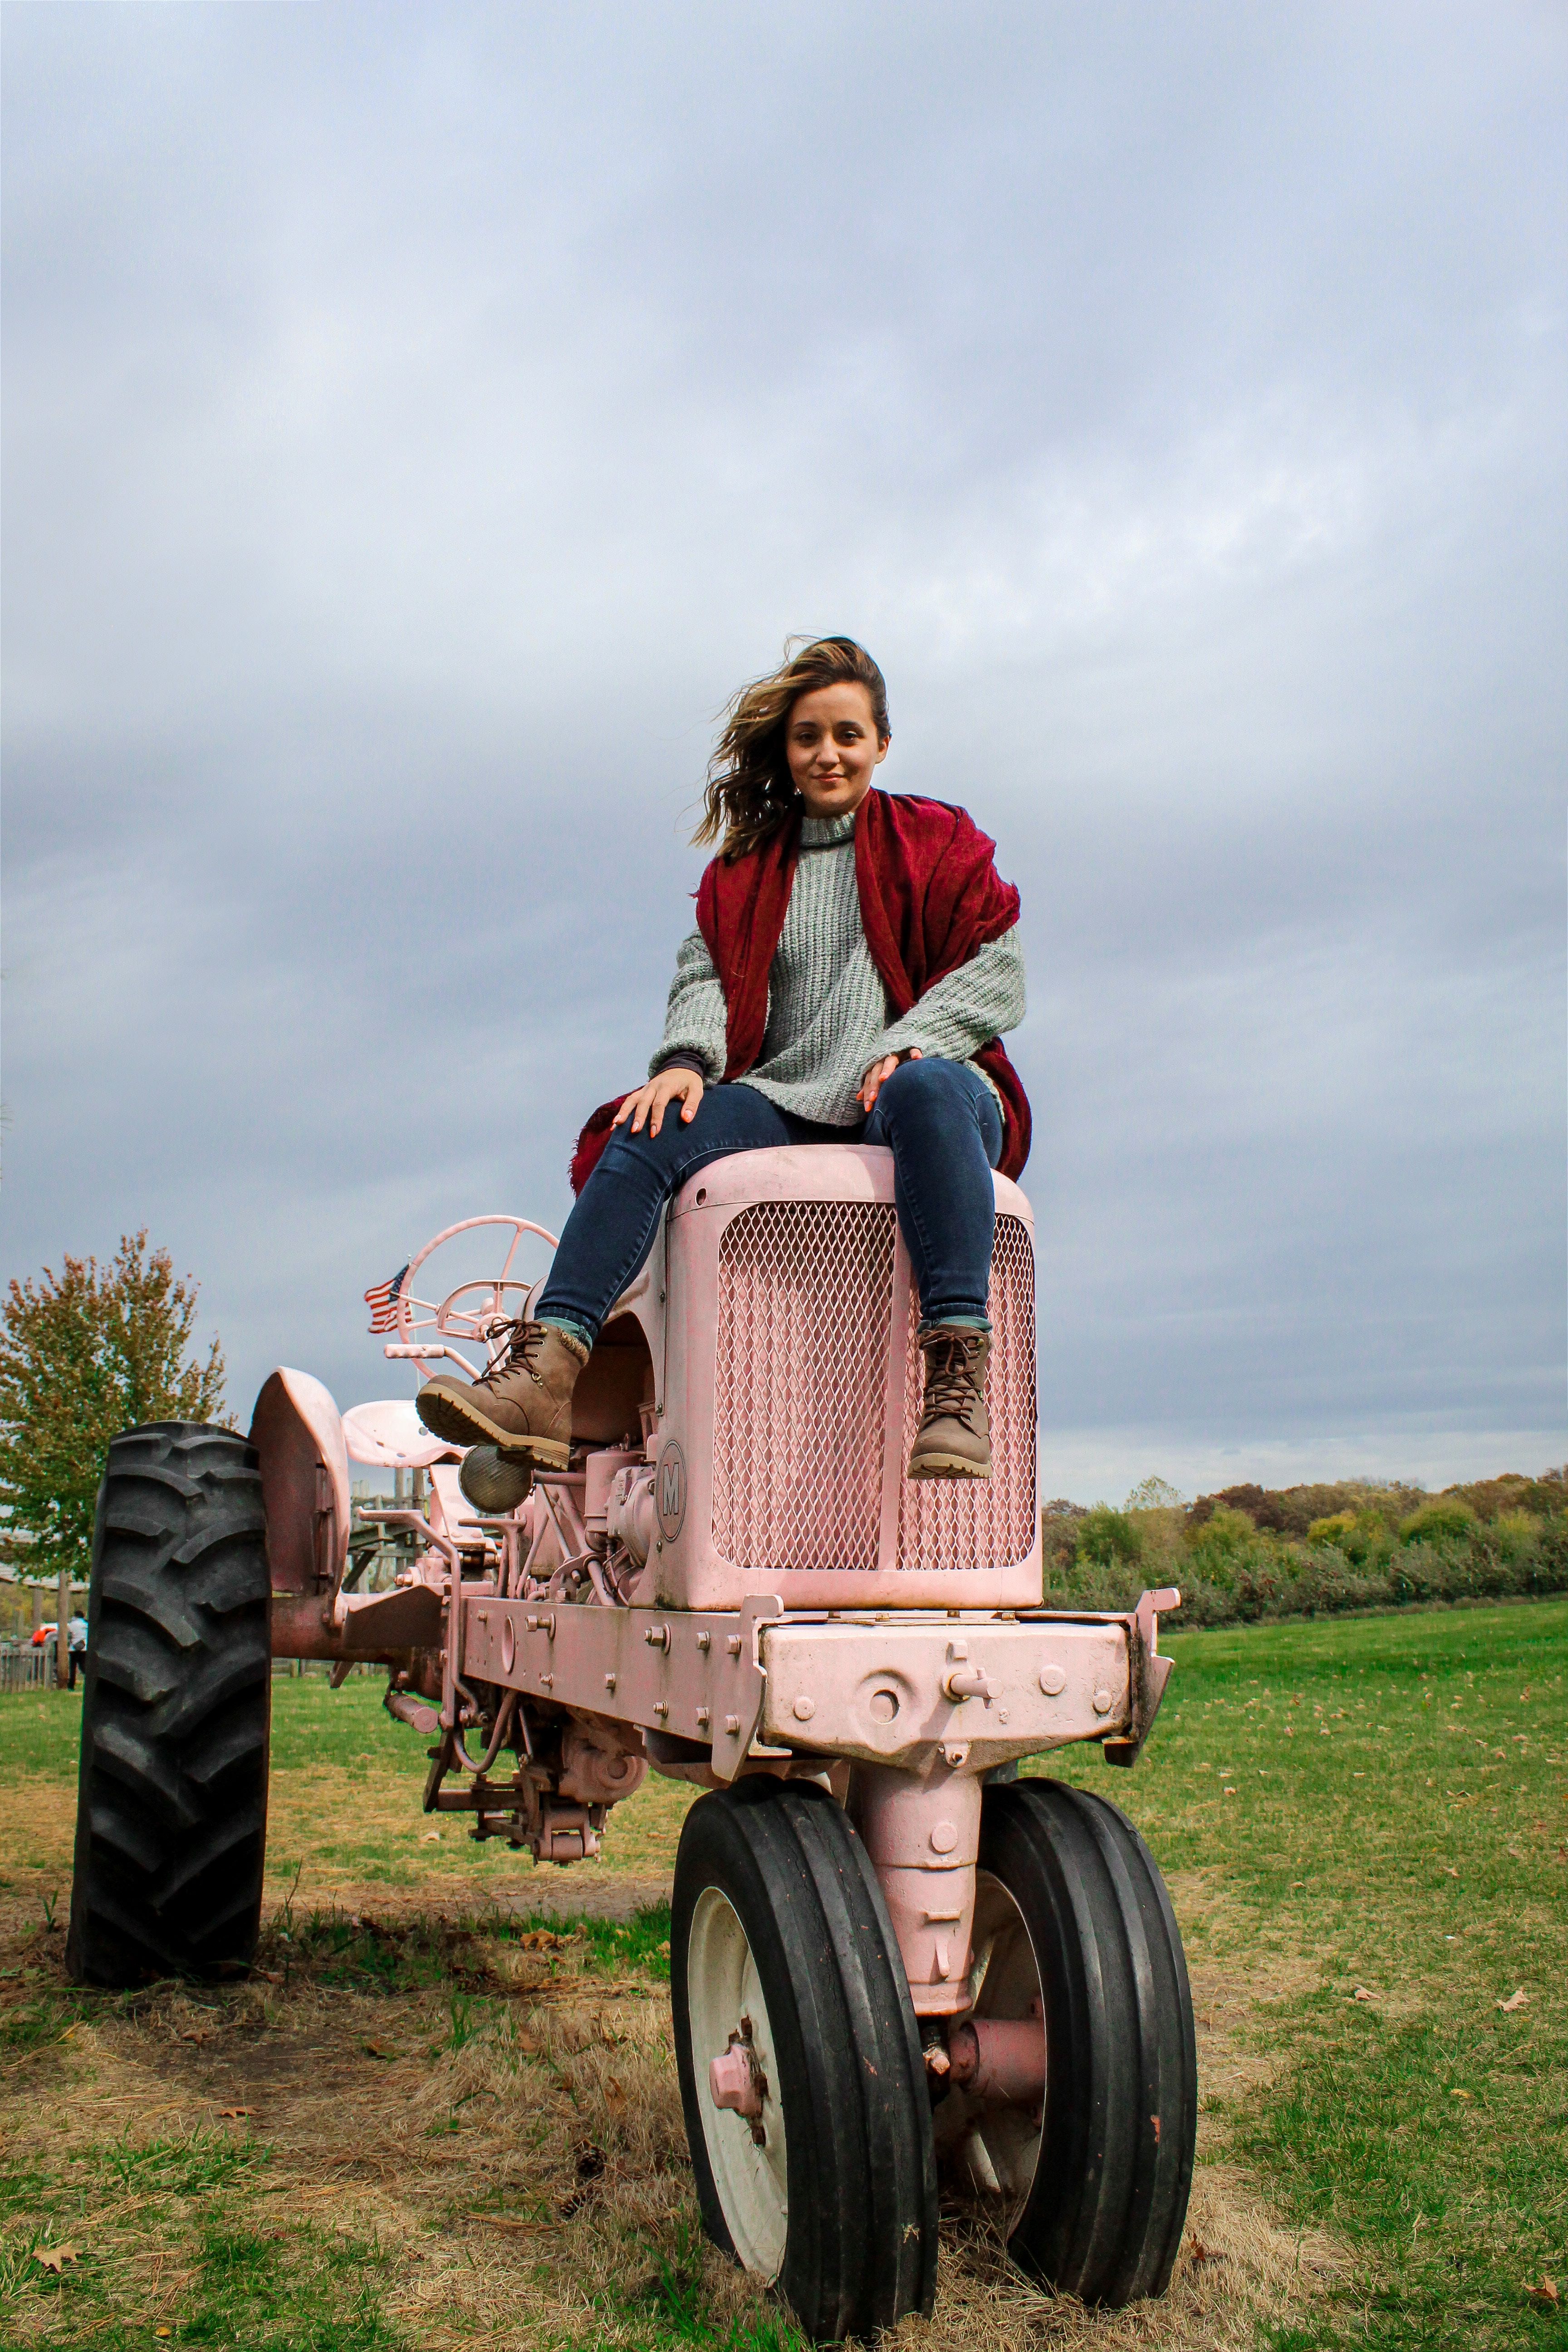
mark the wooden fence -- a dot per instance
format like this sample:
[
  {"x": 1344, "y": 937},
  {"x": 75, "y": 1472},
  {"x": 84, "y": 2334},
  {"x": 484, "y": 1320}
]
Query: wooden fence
[{"x": 26, "y": 1668}]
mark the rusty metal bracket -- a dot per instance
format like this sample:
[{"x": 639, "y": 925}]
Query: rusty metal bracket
[{"x": 1147, "y": 1673}]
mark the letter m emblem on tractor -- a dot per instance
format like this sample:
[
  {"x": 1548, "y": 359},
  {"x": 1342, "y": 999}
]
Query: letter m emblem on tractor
[{"x": 670, "y": 1491}]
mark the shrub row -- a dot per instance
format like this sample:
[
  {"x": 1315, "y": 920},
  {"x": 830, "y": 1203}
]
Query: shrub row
[{"x": 1247, "y": 1554}]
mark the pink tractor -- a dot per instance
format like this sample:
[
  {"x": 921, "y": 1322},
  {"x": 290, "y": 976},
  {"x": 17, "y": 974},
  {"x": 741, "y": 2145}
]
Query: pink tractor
[{"x": 892, "y": 1961}]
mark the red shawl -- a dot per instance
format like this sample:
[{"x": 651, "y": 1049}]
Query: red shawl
[{"x": 930, "y": 897}]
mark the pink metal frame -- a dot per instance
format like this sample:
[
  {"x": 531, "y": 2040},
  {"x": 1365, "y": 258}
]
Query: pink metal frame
[
  {"x": 604, "y": 1614},
  {"x": 690, "y": 1571},
  {"x": 481, "y": 1324}
]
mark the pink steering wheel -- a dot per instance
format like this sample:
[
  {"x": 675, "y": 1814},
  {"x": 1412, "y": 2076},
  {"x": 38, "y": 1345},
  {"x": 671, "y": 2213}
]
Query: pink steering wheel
[{"x": 478, "y": 1312}]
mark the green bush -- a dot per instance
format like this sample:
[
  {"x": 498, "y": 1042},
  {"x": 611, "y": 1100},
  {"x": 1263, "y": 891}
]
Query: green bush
[
  {"x": 1106, "y": 1537},
  {"x": 1224, "y": 1545},
  {"x": 1323, "y": 1584},
  {"x": 1516, "y": 1534},
  {"x": 1438, "y": 1522},
  {"x": 1362, "y": 1535}
]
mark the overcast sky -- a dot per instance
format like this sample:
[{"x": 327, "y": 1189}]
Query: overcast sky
[{"x": 418, "y": 421}]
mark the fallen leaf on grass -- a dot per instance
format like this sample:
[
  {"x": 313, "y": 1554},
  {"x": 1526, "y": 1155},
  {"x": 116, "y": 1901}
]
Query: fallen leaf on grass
[
  {"x": 54, "y": 2258},
  {"x": 590, "y": 2168},
  {"x": 1515, "y": 2001},
  {"x": 378, "y": 2050},
  {"x": 1200, "y": 2254},
  {"x": 269, "y": 1976},
  {"x": 540, "y": 1939},
  {"x": 232, "y": 2115},
  {"x": 1450, "y": 1870},
  {"x": 1461, "y": 2094},
  {"x": 614, "y": 2097},
  {"x": 431, "y": 1837},
  {"x": 1360, "y": 1993},
  {"x": 1544, "y": 2291}
]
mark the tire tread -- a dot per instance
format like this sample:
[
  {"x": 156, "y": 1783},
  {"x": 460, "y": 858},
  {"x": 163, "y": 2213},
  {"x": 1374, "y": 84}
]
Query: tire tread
[
  {"x": 862, "y": 2239},
  {"x": 171, "y": 1809},
  {"x": 1105, "y": 2215}
]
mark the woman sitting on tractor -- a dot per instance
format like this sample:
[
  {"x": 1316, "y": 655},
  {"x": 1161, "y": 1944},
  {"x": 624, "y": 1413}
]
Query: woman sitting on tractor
[{"x": 854, "y": 962}]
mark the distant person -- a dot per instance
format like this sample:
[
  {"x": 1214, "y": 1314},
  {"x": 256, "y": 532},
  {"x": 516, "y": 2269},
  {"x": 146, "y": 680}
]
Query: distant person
[
  {"x": 76, "y": 1636},
  {"x": 854, "y": 963}
]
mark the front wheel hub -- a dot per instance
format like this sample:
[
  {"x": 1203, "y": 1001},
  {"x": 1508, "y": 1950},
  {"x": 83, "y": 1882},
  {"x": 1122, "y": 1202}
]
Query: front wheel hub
[{"x": 736, "y": 2081}]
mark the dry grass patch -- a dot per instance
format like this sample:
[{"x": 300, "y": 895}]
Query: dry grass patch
[
  {"x": 436, "y": 2131},
  {"x": 1239, "y": 2273}
]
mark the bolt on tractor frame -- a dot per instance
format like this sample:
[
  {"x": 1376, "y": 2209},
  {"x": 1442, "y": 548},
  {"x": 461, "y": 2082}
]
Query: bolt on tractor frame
[{"x": 891, "y": 1959}]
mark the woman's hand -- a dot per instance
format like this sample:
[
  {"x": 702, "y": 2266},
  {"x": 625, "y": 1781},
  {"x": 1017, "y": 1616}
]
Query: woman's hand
[
  {"x": 871, "y": 1085},
  {"x": 651, "y": 1102}
]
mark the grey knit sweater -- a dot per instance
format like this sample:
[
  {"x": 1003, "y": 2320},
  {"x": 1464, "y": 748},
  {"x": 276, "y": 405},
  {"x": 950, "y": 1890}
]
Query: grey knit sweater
[{"x": 828, "y": 1009}]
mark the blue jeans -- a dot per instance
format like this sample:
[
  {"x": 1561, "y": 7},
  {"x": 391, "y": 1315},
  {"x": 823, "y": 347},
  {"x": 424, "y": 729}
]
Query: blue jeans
[{"x": 940, "y": 1120}]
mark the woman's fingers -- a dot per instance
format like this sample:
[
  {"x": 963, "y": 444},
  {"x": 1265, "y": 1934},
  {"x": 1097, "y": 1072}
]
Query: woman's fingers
[
  {"x": 880, "y": 1071},
  {"x": 647, "y": 1104},
  {"x": 638, "y": 1105},
  {"x": 674, "y": 1086}
]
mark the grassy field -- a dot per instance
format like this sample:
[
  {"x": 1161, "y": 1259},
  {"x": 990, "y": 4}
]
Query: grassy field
[{"x": 443, "y": 2118}]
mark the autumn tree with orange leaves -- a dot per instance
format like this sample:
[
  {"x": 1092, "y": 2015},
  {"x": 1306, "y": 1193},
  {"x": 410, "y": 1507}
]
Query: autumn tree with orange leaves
[{"x": 83, "y": 1354}]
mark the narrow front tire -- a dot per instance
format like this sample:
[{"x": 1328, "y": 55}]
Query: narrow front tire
[
  {"x": 1073, "y": 1925},
  {"x": 784, "y": 1966}
]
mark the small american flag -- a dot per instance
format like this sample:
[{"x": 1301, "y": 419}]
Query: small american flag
[{"x": 382, "y": 1300}]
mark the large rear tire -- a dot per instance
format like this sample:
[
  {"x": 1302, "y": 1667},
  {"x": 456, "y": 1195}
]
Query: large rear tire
[
  {"x": 171, "y": 1806},
  {"x": 780, "y": 1939},
  {"x": 1073, "y": 1923}
]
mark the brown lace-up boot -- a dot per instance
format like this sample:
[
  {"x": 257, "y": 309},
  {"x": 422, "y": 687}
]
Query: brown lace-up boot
[
  {"x": 953, "y": 1440},
  {"x": 523, "y": 1404}
]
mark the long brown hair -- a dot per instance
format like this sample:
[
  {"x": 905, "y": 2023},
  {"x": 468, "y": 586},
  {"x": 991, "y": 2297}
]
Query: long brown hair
[{"x": 750, "y": 790}]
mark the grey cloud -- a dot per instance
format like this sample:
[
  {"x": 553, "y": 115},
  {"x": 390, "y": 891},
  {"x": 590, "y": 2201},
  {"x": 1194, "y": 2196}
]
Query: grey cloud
[{"x": 417, "y": 423}]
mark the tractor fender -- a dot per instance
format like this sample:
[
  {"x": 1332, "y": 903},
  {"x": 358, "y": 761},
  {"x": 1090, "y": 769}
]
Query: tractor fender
[{"x": 298, "y": 1435}]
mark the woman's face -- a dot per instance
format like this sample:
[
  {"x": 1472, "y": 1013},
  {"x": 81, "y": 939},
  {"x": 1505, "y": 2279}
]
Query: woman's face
[{"x": 833, "y": 746}]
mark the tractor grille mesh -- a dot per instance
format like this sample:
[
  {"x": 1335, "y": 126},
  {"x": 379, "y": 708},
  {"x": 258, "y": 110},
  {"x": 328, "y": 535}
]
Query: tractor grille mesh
[
  {"x": 976, "y": 1522},
  {"x": 805, "y": 1292},
  {"x": 805, "y": 1303}
]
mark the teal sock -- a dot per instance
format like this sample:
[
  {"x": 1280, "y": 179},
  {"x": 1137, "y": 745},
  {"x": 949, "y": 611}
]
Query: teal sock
[{"x": 578, "y": 1331}]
